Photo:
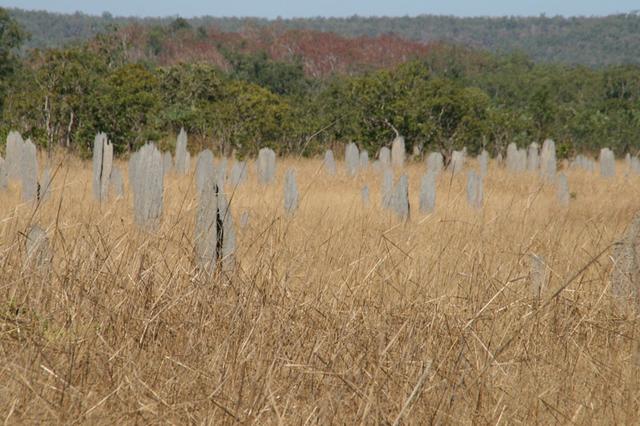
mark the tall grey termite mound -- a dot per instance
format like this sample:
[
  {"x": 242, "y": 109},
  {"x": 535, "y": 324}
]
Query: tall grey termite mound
[
  {"x": 146, "y": 172},
  {"x": 38, "y": 249},
  {"x": 584, "y": 163},
  {"x": 483, "y": 163},
  {"x": 205, "y": 173},
  {"x": 117, "y": 183},
  {"x": 475, "y": 191},
  {"x": 364, "y": 195},
  {"x": 384, "y": 157},
  {"x": 522, "y": 160},
  {"x": 607, "y": 163},
  {"x": 22, "y": 163},
  {"x": 364, "y": 160},
  {"x": 516, "y": 159},
  {"x": 13, "y": 154},
  {"x": 329, "y": 163},
  {"x": 29, "y": 171},
  {"x": 352, "y": 159},
  {"x": 4, "y": 175},
  {"x": 634, "y": 165},
  {"x": 400, "y": 199},
  {"x": 533, "y": 157},
  {"x": 214, "y": 238},
  {"x": 428, "y": 192},
  {"x": 266, "y": 166},
  {"x": 221, "y": 172},
  {"x": 625, "y": 276},
  {"x": 182, "y": 155},
  {"x": 228, "y": 232},
  {"x": 512, "y": 161},
  {"x": 562, "y": 190},
  {"x": 398, "y": 152},
  {"x": 102, "y": 165},
  {"x": 548, "y": 162},
  {"x": 290, "y": 192},
  {"x": 435, "y": 163},
  {"x": 457, "y": 162},
  {"x": 238, "y": 173},
  {"x": 167, "y": 162},
  {"x": 387, "y": 189},
  {"x": 131, "y": 169}
]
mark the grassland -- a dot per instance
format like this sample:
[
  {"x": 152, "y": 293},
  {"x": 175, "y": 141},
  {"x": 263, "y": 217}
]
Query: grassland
[{"x": 337, "y": 315}]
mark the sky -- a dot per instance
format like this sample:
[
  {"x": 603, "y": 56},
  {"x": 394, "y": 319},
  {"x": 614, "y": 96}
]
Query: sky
[{"x": 304, "y": 8}]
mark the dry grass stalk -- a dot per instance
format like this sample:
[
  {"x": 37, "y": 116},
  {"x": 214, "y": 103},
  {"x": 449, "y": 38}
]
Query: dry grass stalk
[{"x": 330, "y": 317}]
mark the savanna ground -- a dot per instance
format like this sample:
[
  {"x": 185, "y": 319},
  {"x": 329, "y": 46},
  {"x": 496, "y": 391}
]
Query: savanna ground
[{"x": 337, "y": 315}]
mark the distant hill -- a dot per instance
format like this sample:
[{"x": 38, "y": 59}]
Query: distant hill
[{"x": 592, "y": 41}]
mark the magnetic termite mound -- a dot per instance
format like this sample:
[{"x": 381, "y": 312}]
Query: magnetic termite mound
[
  {"x": 607, "y": 163},
  {"x": 290, "y": 192},
  {"x": 205, "y": 171},
  {"x": 398, "y": 152},
  {"x": 266, "y": 166},
  {"x": 625, "y": 276},
  {"x": 238, "y": 173},
  {"x": 29, "y": 171},
  {"x": 387, "y": 189},
  {"x": 475, "y": 192},
  {"x": 38, "y": 248},
  {"x": 147, "y": 183},
  {"x": 214, "y": 237},
  {"x": 102, "y": 165},
  {"x": 117, "y": 183},
  {"x": 548, "y": 161},
  {"x": 400, "y": 198},
  {"x": 329, "y": 163},
  {"x": 182, "y": 157},
  {"x": 22, "y": 164},
  {"x": 435, "y": 163},
  {"x": 352, "y": 159},
  {"x": 364, "y": 160},
  {"x": 428, "y": 192},
  {"x": 483, "y": 163},
  {"x": 457, "y": 162},
  {"x": 384, "y": 157},
  {"x": 4, "y": 176}
]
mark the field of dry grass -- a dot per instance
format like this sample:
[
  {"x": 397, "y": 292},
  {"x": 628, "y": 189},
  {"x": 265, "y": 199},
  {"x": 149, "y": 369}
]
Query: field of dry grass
[{"x": 337, "y": 315}]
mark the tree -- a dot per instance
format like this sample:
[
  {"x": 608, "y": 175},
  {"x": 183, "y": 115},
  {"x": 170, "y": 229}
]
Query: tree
[
  {"x": 51, "y": 98},
  {"x": 11, "y": 38},
  {"x": 127, "y": 106}
]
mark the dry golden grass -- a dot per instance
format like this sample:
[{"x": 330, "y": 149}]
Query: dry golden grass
[{"x": 338, "y": 315}]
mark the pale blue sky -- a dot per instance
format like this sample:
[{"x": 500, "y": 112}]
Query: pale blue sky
[{"x": 303, "y": 8}]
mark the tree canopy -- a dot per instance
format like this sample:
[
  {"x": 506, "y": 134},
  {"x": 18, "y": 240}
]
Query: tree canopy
[{"x": 447, "y": 97}]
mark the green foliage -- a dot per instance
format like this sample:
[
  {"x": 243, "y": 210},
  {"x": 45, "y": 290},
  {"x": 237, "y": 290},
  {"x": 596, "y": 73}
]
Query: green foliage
[
  {"x": 50, "y": 99},
  {"x": 11, "y": 37},
  {"x": 428, "y": 111},
  {"x": 126, "y": 107},
  {"x": 238, "y": 115},
  {"x": 279, "y": 77},
  {"x": 591, "y": 41},
  {"x": 451, "y": 98}
]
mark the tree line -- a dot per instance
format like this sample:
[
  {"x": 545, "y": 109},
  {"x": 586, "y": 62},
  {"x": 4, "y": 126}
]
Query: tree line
[
  {"x": 445, "y": 99},
  {"x": 592, "y": 41}
]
